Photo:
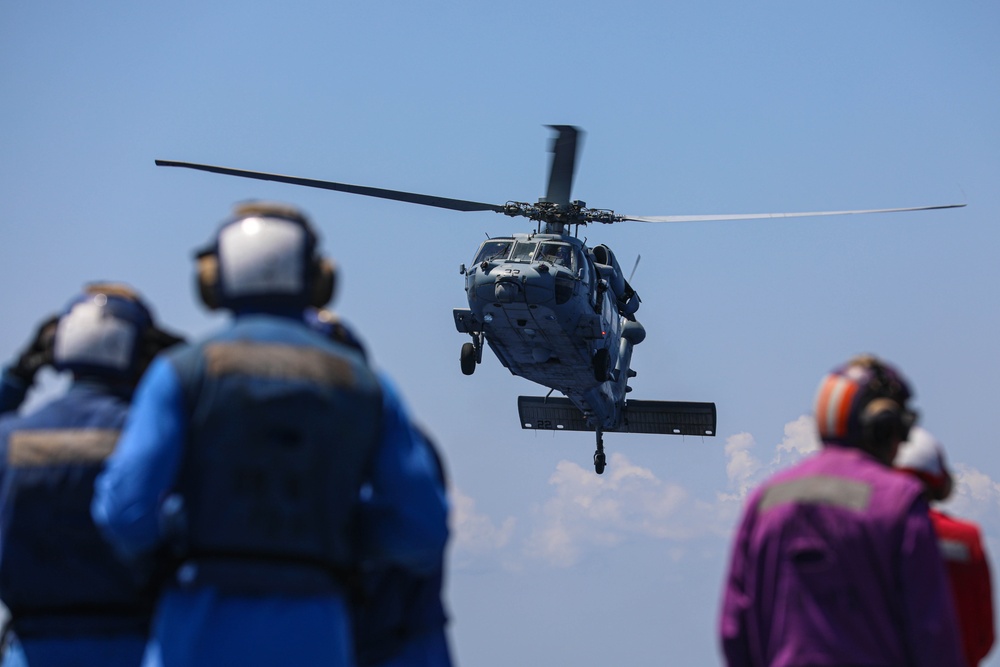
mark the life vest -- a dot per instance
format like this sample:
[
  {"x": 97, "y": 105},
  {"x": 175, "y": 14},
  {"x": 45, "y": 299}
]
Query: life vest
[
  {"x": 283, "y": 426},
  {"x": 58, "y": 576}
]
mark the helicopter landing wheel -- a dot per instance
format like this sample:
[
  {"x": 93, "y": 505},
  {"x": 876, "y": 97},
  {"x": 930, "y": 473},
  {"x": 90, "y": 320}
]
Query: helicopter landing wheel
[
  {"x": 600, "y": 460},
  {"x": 602, "y": 365},
  {"x": 468, "y": 358}
]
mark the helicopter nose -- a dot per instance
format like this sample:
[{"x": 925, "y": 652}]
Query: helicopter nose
[{"x": 507, "y": 292}]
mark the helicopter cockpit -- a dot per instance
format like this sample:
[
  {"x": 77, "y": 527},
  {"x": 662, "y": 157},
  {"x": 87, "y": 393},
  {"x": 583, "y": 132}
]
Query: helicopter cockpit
[{"x": 524, "y": 251}]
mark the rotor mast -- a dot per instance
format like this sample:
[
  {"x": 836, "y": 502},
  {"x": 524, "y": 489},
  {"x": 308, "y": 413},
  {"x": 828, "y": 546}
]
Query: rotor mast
[
  {"x": 556, "y": 204},
  {"x": 556, "y": 209}
]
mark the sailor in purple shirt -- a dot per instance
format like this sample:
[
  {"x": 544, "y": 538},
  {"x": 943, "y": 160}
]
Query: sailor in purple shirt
[{"x": 835, "y": 560}]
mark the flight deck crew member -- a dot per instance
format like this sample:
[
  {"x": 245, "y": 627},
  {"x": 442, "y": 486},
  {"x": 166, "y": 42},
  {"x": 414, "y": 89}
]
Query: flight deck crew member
[
  {"x": 835, "y": 560},
  {"x": 961, "y": 545},
  {"x": 71, "y": 602},
  {"x": 248, "y": 453},
  {"x": 399, "y": 619}
]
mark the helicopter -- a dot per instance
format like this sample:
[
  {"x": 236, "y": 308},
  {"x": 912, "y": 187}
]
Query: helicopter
[{"x": 555, "y": 311}]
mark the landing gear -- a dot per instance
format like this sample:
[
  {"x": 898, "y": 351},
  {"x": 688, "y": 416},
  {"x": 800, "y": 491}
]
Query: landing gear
[
  {"x": 468, "y": 358},
  {"x": 472, "y": 354},
  {"x": 600, "y": 461},
  {"x": 602, "y": 365}
]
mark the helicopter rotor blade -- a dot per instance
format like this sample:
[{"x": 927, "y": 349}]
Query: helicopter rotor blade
[
  {"x": 564, "y": 148},
  {"x": 397, "y": 195},
  {"x": 634, "y": 267},
  {"x": 762, "y": 216}
]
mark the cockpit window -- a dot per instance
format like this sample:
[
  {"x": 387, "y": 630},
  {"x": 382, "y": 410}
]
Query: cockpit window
[
  {"x": 523, "y": 251},
  {"x": 494, "y": 250},
  {"x": 560, "y": 254}
]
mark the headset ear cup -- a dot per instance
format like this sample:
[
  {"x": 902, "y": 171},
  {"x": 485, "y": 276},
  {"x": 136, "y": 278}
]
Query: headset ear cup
[
  {"x": 324, "y": 284},
  {"x": 881, "y": 422},
  {"x": 208, "y": 280}
]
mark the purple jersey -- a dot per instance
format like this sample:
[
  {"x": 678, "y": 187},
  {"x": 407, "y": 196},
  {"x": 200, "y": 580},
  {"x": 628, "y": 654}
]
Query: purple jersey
[{"x": 835, "y": 563}]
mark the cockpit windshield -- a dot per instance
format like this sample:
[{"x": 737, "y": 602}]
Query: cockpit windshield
[
  {"x": 494, "y": 250},
  {"x": 560, "y": 254},
  {"x": 523, "y": 251}
]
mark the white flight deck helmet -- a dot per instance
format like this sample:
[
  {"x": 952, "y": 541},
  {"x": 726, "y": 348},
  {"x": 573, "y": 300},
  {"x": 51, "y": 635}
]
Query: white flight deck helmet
[
  {"x": 101, "y": 333},
  {"x": 265, "y": 256},
  {"x": 922, "y": 456}
]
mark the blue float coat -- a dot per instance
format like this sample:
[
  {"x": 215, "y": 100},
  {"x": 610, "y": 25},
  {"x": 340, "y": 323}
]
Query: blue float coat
[
  {"x": 72, "y": 603},
  {"x": 403, "y": 523}
]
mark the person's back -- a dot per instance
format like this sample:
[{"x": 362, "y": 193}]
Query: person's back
[
  {"x": 961, "y": 544},
  {"x": 969, "y": 573},
  {"x": 263, "y": 535},
  {"x": 247, "y": 454},
  {"x": 71, "y": 601},
  {"x": 284, "y": 426},
  {"x": 814, "y": 602},
  {"x": 834, "y": 562}
]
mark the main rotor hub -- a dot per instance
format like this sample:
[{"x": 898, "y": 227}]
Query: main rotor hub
[{"x": 559, "y": 215}]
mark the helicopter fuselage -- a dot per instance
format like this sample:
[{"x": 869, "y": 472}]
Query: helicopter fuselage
[{"x": 557, "y": 313}]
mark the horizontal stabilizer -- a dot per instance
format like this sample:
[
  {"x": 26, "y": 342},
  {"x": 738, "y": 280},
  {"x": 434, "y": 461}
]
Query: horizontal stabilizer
[
  {"x": 665, "y": 417},
  {"x": 551, "y": 414},
  {"x": 669, "y": 417}
]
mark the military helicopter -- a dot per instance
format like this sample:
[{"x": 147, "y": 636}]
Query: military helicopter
[{"x": 555, "y": 311}]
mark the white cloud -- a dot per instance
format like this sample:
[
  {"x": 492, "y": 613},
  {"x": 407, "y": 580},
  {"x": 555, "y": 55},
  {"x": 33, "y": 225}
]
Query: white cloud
[
  {"x": 800, "y": 440},
  {"x": 742, "y": 467},
  {"x": 745, "y": 470},
  {"x": 976, "y": 497},
  {"x": 475, "y": 535},
  {"x": 600, "y": 511}
]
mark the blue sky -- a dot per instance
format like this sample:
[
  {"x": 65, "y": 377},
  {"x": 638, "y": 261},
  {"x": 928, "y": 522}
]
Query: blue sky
[{"x": 689, "y": 108}]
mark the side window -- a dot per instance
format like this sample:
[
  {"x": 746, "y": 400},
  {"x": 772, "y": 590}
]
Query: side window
[
  {"x": 584, "y": 265},
  {"x": 556, "y": 253}
]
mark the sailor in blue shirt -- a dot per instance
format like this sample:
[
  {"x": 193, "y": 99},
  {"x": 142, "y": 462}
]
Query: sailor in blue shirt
[
  {"x": 71, "y": 601},
  {"x": 248, "y": 456},
  {"x": 399, "y": 617}
]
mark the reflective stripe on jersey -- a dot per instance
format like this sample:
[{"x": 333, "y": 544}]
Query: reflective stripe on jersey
[
  {"x": 44, "y": 447},
  {"x": 820, "y": 490},
  {"x": 278, "y": 361}
]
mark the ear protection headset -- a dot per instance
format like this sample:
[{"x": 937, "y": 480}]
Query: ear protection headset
[
  {"x": 320, "y": 274},
  {"x": 884, "y": 418}
]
